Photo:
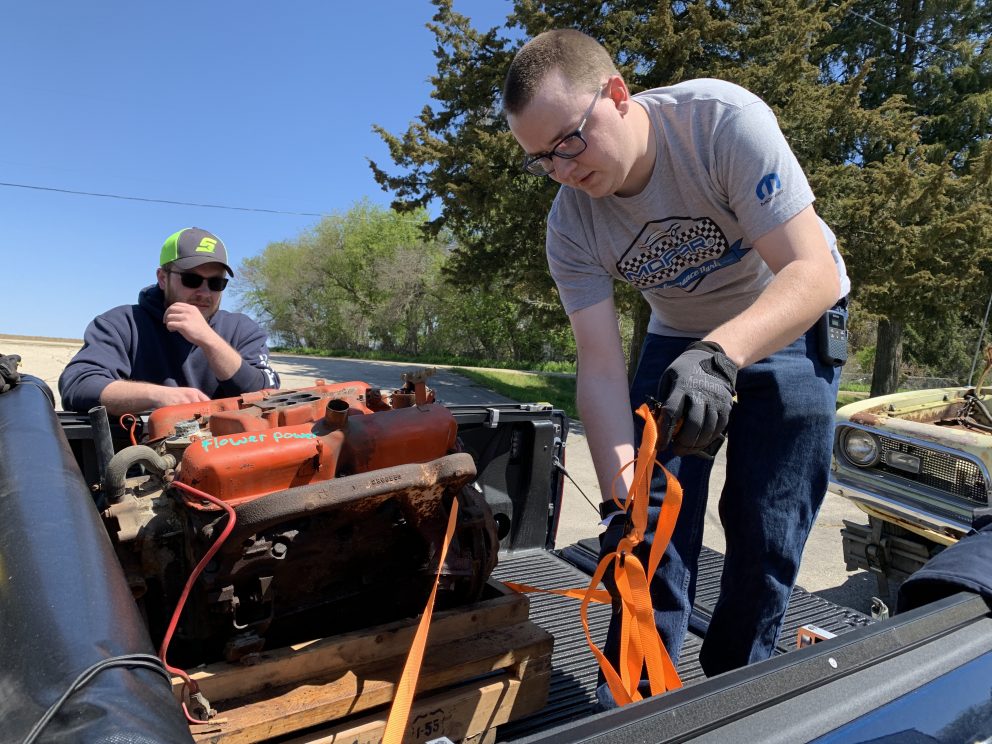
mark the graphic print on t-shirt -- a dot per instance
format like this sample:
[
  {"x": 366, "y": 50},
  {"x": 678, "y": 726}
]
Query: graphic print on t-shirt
[{"x": 677, "y": 252}]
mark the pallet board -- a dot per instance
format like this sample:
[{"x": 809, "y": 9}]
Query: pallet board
[{"x": 485, "y": 664}]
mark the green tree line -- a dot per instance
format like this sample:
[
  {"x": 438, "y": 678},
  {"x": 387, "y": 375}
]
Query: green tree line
[
  {"x": 372, "y": 280},
  {"x": 888, "y": 106}
]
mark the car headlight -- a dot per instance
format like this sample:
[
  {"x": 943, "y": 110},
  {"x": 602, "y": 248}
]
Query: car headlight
[{"x": 860, "y": 447}]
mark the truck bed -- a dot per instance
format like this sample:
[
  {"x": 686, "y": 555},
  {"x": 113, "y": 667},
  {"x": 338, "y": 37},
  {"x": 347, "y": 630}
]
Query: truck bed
[
  {"x": 574, "y": 669},
  {"x": 924, "y": 668}
]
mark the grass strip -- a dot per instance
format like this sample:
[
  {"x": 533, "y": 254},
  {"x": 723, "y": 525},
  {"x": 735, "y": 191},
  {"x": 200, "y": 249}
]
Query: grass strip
[
  {"x": 527, "y": 387},
  {"x": 535, "y": 387}
]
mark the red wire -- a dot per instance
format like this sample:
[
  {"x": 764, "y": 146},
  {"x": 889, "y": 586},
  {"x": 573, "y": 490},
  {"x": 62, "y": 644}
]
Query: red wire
[
  {"x": 232, "y": 518},
  {"x": 134, "y": 425}
]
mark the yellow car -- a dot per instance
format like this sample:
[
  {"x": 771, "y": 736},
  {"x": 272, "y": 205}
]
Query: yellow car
[{"x": 917, "y": 463}]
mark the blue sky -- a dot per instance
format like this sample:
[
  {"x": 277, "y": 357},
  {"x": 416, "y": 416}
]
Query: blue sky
[{"x": 267, "y": 105}]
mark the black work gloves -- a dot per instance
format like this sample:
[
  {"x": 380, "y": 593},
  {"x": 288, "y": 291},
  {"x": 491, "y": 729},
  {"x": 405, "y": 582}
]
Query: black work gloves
[
  {"x": 697, "y": 390},
  {"x": 9, "y": 375},
  {"x": 615, "y": 531}
]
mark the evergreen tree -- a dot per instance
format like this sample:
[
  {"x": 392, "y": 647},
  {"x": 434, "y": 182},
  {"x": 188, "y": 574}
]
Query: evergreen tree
[
  {"x": 912, "y": 199},
  {"x": 890, "y": 125}
]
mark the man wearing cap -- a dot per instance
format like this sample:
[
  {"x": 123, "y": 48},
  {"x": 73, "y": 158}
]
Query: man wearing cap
[{"x": 176, "y": 345}]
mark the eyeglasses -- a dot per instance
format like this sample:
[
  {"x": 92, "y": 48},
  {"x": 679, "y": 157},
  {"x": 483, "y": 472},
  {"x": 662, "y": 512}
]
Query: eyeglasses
[
  {"x": 193, "y": 281},
  {"x": 570, "y": 146}
]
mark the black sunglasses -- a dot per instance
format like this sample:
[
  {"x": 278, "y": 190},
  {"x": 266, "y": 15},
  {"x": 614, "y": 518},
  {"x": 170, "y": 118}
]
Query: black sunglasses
[{"x": 193, "y": 281}]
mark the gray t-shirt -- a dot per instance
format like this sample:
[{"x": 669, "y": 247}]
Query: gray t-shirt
[{"x": 724, "y": 176}]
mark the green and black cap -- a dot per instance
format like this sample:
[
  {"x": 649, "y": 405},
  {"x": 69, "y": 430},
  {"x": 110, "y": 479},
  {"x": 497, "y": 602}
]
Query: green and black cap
[{"x": 191, "y": 247}]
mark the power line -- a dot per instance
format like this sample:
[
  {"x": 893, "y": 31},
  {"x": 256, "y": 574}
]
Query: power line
[
  {"x": 896, "y": 31},
  {"x": 163, "y": 201}
]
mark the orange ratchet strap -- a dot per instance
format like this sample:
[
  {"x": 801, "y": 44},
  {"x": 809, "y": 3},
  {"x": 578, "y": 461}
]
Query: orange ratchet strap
[
  {"x": 640, "y": 644},
  {"x": 399, "y": 712}
]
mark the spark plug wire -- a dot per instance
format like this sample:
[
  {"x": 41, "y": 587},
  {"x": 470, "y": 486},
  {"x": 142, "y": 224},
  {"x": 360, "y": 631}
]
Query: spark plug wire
[
  {"x": 133, "y": 426},
  {"x": 189, "y": 684}
]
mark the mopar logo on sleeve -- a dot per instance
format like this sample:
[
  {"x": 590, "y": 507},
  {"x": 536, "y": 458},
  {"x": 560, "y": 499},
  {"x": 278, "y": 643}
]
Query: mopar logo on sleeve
[
  {"x": 768, "y": 187},
  {"x": 677, "y": 252}
]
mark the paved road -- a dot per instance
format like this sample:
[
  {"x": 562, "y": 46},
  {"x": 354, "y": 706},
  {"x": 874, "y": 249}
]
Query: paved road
[{"x": 822, "y": 569}]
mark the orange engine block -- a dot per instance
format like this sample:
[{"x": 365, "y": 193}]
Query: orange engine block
[
  {"x": 241, "y": 448},
  {"x": 340, "y": 494}
]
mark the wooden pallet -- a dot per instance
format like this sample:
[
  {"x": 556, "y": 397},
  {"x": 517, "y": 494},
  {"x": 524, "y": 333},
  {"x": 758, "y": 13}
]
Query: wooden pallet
[{"x": 485, "y": 664}]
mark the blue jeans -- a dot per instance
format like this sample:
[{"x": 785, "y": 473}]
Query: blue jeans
[{"x": 778, "y": 458}]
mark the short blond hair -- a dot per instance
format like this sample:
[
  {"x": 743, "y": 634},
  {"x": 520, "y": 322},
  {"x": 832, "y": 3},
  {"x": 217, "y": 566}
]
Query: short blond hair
[{"x": 582, "y": 60}]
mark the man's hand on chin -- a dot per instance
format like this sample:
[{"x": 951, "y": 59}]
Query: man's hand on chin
[{"x": 189, "y": 321}]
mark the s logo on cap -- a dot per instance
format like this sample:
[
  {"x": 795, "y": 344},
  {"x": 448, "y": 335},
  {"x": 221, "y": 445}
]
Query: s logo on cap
[{"x": 207, "y": 245}]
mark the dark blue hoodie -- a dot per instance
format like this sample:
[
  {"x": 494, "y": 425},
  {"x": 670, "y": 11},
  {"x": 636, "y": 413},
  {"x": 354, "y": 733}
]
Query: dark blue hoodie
[
  {"x": 962, "y": 567},
  {"x": 130, "y": 342}
]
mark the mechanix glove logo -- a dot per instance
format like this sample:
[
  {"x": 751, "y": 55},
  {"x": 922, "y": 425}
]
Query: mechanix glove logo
[{"x": 696, "y": 391}]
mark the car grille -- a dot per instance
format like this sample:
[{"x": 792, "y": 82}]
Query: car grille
[{"x": 945, "y": 472}]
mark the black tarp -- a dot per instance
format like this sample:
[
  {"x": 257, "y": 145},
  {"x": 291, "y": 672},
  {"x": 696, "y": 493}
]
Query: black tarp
[{"x": 64, "y": 601}]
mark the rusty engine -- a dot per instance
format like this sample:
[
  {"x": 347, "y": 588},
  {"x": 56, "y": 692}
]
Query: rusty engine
[{"x": 341, "y": 494}]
